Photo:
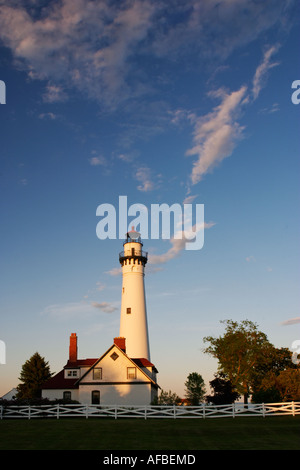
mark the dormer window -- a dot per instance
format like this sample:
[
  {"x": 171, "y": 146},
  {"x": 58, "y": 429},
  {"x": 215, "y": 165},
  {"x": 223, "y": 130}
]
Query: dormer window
[{"x": 72, "y": 373}]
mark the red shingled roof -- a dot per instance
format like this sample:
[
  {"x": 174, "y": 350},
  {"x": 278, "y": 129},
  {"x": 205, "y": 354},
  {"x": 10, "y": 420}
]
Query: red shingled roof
[
  {"x": 58, "y": 381},
  {"x": 142, "y": 362},
  {"x": 81, "y": 363}
]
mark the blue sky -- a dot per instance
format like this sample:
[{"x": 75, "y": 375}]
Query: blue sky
[{"x": 160, "y": 102}]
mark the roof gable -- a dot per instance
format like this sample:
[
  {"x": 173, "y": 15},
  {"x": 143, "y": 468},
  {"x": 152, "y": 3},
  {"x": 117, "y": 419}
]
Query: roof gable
[
  {"x": 114, "y": 362},
  {"x": 59, "y": 381}
]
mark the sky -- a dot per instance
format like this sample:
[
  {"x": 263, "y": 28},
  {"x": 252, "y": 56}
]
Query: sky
[{"x": 162, "y": 102}]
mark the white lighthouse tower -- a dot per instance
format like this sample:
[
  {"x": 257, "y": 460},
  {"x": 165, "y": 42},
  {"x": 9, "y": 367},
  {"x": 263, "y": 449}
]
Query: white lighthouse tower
[{"x": 133, "y": 321}]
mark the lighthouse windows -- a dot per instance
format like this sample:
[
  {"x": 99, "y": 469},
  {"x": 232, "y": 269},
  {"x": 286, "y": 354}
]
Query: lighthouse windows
[{"x": 128, "y": 310}]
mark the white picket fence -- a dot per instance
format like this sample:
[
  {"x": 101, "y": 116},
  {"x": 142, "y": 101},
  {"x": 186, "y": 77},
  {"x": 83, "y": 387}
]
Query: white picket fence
[{"x": 145, "y": 412}]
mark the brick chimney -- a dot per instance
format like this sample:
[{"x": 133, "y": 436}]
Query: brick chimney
[
  {"x": 120, "y": 342},
  {"x": 73, "y": 348}
]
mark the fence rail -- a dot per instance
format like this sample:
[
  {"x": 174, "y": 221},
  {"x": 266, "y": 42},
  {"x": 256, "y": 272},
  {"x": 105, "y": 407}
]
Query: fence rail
[{"x": 146, "y": 412}]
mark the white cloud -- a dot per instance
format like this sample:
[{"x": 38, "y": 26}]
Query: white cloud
[
  {"x": 89, "y": 44},
  {"x": 68, "y": 310},
  {"x": 51, "y": 116},
  {"x": 189, "y": 199},
  {"x": 216, "y": 134},
  {"x": 104, "y": 306},
  {"x": 54, "y": 93},
  {"x": 291, "y": 321},
  {"x": 81, "y": 43},
  {"x": 143, "y": 175},
  {"x": 96, "y": 161},
  {"x": 262, "y": 70},
  {"x": 114, "y": 272},
  {"x": 177, "y": 245},
  {"x": 100, "y": 286},
  {"x": 72, "y": 310}
]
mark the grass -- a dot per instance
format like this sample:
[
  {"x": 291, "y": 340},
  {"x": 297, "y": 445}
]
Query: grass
[{"x": 249, "y": 433}]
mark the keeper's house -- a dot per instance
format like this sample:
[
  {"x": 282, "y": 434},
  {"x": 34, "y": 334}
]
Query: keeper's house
[{"x": 112, "y": 379}]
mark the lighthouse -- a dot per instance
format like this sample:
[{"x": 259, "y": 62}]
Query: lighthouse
[
  {"x": 123, "y": 375},
  {"x": 133, "y": 319}
]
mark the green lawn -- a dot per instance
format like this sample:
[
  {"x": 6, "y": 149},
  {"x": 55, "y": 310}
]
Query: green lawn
[{"x": 249, "y": 433}]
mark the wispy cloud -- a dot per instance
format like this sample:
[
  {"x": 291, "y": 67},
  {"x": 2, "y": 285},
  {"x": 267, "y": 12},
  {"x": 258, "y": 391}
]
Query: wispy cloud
[
  {"x": 49, "y": 115},
  {"x": 89, "y": 45},
  {"x": 262, "y": 70},
  {"x": 68, "y": 310},
  {"x": 72, "y": 310},
  {"x": 178, "y": 244},
  {"x": 143, "y": 175},
  {"x": 54, "y": 93},
  {"x": 82, "y": 44},
  {"x": 216, "y": 134},
  {"x": 114, "y": 272},
  {"x": 99, "y": 160},
  {"x": 104, "y": 306},
  {"x": 291, "y": 321}
]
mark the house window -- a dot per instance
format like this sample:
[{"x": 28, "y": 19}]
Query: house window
[
  {"x": 72, "y": 373},
  {"x": 131, "y": 372},
  {"x": 97, "y": 373},
  {"x": 128, "y": 310},
  {"x": 67, "y": 395},
  {"x": 95, "y": 397}
]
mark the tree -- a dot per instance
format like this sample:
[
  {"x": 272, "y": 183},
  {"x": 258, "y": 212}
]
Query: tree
[
  {"x": 239, "y": 351},
  {"x": 35, "y": 371},
  {"x": 263, "y": 376},
  {"x": 167, "y": 398},
  {"x": 223, "y": 391},
  {"x": 284, "y": 386},
  {"x": 195, "y": 388}
]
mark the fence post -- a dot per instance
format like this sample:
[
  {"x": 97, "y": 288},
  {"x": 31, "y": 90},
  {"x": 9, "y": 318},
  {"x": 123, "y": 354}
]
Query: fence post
[
  {"x": 263, "y": 410},
  {"x": 293, "y": 408},
  {"x": 57, "y": 412},
  {"x": 203, "y": 409},
  {"x": 115, "y": 411},
  {"x": 1, "y": 413},
  {"x": 233, "y": 410}
]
